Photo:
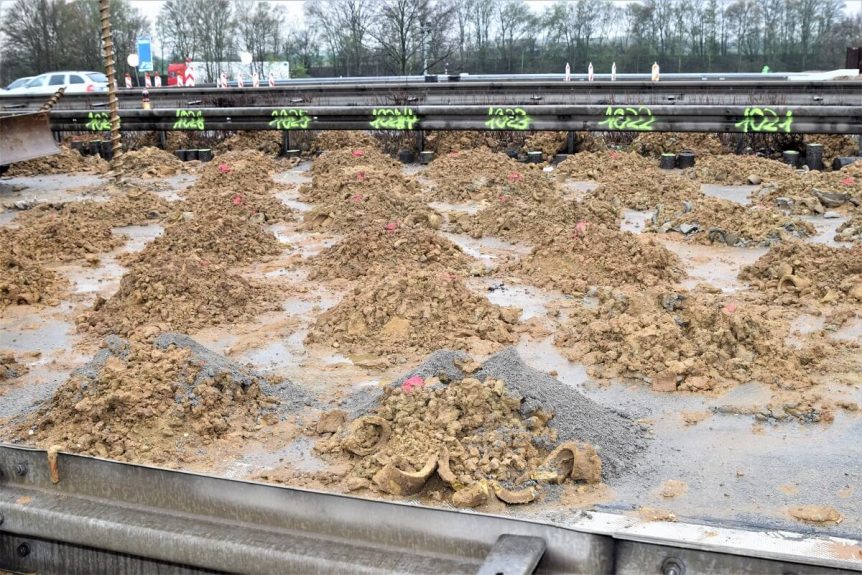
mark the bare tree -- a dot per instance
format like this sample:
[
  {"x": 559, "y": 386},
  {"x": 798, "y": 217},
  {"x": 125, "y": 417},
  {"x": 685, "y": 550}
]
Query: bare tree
[
  {"x": 176, "y": 25},
  {"x": 215, "y": 33},
  {"x": 343, "y": 26}
]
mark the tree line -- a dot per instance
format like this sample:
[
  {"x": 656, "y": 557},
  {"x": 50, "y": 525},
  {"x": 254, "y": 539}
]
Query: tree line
[{"x": 381, "y": 37}]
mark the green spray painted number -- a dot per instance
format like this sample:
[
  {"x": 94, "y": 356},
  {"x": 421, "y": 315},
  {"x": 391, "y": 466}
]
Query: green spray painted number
[
  {"x": 189, "y": 120},
  {"x": 631, "y": 119},
  {"x": 393, "y": 119},
  {"x": 290, "y": 119},
  {"x": 765, "y": 120},
  {"x": 98, "y": 122},
  {"x": 508, "y": 119}
]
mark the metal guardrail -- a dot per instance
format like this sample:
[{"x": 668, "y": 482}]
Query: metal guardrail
[
  {"x": 71, "y": 514},
  {"x": 515, "y": 92},
  {"x": 669, "y": 118}
]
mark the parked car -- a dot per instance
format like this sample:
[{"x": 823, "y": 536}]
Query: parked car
[
  {"x": 75, "y": 83},
  {"x": 19, "y": 83}
]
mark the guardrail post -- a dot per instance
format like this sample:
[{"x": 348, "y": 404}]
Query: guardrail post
[
  {"x": 163, "y": 139},
  {"x": 285, "y": 142},
  {"x": 570, "y": 142}
]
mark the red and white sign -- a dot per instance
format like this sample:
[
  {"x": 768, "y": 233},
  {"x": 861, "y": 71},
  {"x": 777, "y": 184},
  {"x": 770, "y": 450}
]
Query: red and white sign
[
  {"x": 255, "y": 80},
  {"x": 179, "y": 80},
  {"x": 239, "y": 80},
  {"x": 158, "y": 81},
  {"x": 270, "y": 79},
  {"x": 147, "y": 81},
  {"x": 190, "y": 75},
  {"x": 128, "y": 80},
  {"x": 223, "y": 79}
]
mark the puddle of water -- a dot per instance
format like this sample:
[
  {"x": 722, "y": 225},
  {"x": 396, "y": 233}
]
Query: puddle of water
[
  {"x": 307, "y": 243},
  {"x": 715, "y": 265},
  {"x": 487, "y": 249},
  {"x": 635, "y": 221},
  {"x": 532, "y": 301},
  {"x": 738, "y": 194},
  {"x": 297, "y": 175},
  {"x": 139, "y": 236},
  {"x": 826, "y": 229},
  {"x": 850, "y": 331}
]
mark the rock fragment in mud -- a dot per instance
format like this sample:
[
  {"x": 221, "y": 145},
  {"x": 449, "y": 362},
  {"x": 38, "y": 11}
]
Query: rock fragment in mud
[
  {"x": 24, "y": 281},
  {"x": 159, "y": 402},
  {"x": 817, "y": 514}
]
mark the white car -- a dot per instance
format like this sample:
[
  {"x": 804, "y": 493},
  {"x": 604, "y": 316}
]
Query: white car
[
  {"x": 75, "y": 83},
  {"x": 19, "y": 83}
]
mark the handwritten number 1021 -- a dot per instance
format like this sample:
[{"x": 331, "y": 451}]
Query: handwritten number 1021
[{"x": 764, "y": 120}]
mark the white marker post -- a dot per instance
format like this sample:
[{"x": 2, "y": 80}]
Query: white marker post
[
  {"x": 270, "y": 79},
  {"x": 568, "y": 77},
  {"x": 614, "y": 72},
  {"x": 655, "y": 72},
  {"x": 590, "y": 72}
]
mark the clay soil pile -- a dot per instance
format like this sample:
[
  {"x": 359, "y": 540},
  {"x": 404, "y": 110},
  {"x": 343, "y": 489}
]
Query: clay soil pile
[
  {"x": 734, "y": 169},
  {"x": 815, "y": 192},
  {"x": 68, "y": 160},
  {"x": 178, "y": 293},
  {"x": 23, "y": 281},
  {"x": 549, "y": 143},
  {"x": 61, "y": 237},
  {"x": 147, "y": 162},
  {"x": 409, "y": 310},
  {"x": 685, "y": 341},
  {"x": 808, "y": 271},
  {"x": 229, "y": 239},
  {"x": 850, "y": 231},
  {"x": 713, "y": 220},
  {"x": 469, "y": 433},
  {"x": 646, "y": 189},
  {"x": 343, "y": 139},
  {"x": 154, "y": 403},
  {"x": 480, "y": 173},
  {"x": 267, "y": 142},
  {"x": 346, "y": 182},
  {"x": 599, "y": 165},
  {"x": 657, "y": 143},
  {"x": 371, "y": 207},
  {"x": 238, "y": 183},
  {"x": 10, "y": 367},
  {"x": 357, "y": 159},
  {"x": 443, "y": 143},
  {"x": 127, "y": 206},
  {"x": 515, "y": 219},
  {"x": 592, "y": 254},
  {"x": 363, "y": 249}
]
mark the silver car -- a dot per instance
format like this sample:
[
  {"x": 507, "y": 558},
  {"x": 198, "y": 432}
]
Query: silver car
[{"x": 75, "y": 83}]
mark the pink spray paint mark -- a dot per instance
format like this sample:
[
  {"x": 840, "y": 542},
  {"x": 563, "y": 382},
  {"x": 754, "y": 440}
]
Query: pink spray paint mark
[
  {"x": 360, "y": 176},
  {"x": 357, "y": 153},
  {"x": 237, "y": 200},
  {"x": 848, "y": 181},
  {"x": 504, "y": 199},
  {"x": 729, "y": 308},
  {"x": 454, "y": 154},
  {"x": 514, "y": 177},
  {"x": 357, "y": 198},
  {"x": 616, "y": 155},
  {"x": 412, "y": 383},
  {"x": 223, "y": 168},
  {"x": 391, "y": 227}
]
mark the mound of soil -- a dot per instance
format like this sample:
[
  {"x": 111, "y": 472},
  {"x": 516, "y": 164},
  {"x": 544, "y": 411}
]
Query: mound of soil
[
  {"x": 388, "y": 246},
  {"x": 713, "y": 220},
  {"x": 732, "y": 169},
  {"x": 68, "y": 160},
  {"x": 600, "y": 165},
  {"x": 549, "y": 143},
  {"x": 370, "y": 207},
  {"x": 644, "y": 190},
  {"x": 591, "y": 254},
  {"x": 239, "y": 183},
  {"x": 23, "y": 281},
  {"x": 229, "y": 239},
  {"x": 349, "y": 181},
  {"x": 685, "y": 341},
  {"x": 797, "y": 271},
  {"x": 442, "y": 143},
  {"x": 471, "y": 428},
  {"x": 409, "y": 310},
  {"x": 157, "y": 403},
  {"x": 127, "y": 206},
  {"x": 850, "y": 231},
  {"x": 355, "y": 159},
  {"x": 179, "y": 293},
  {"x": 147, "y": 162},
  {"x": 51, "y": 236},
  {"x": 343, "y": 139},
  {"x": 515, "y": 219},
  {"x": 480, "y": 173},
  {"x": 814, "y": 192},
  {"x": 655, "y": 144},
  {"x": 174, "y": 140},
  {"x": 268, "y": 142}
]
